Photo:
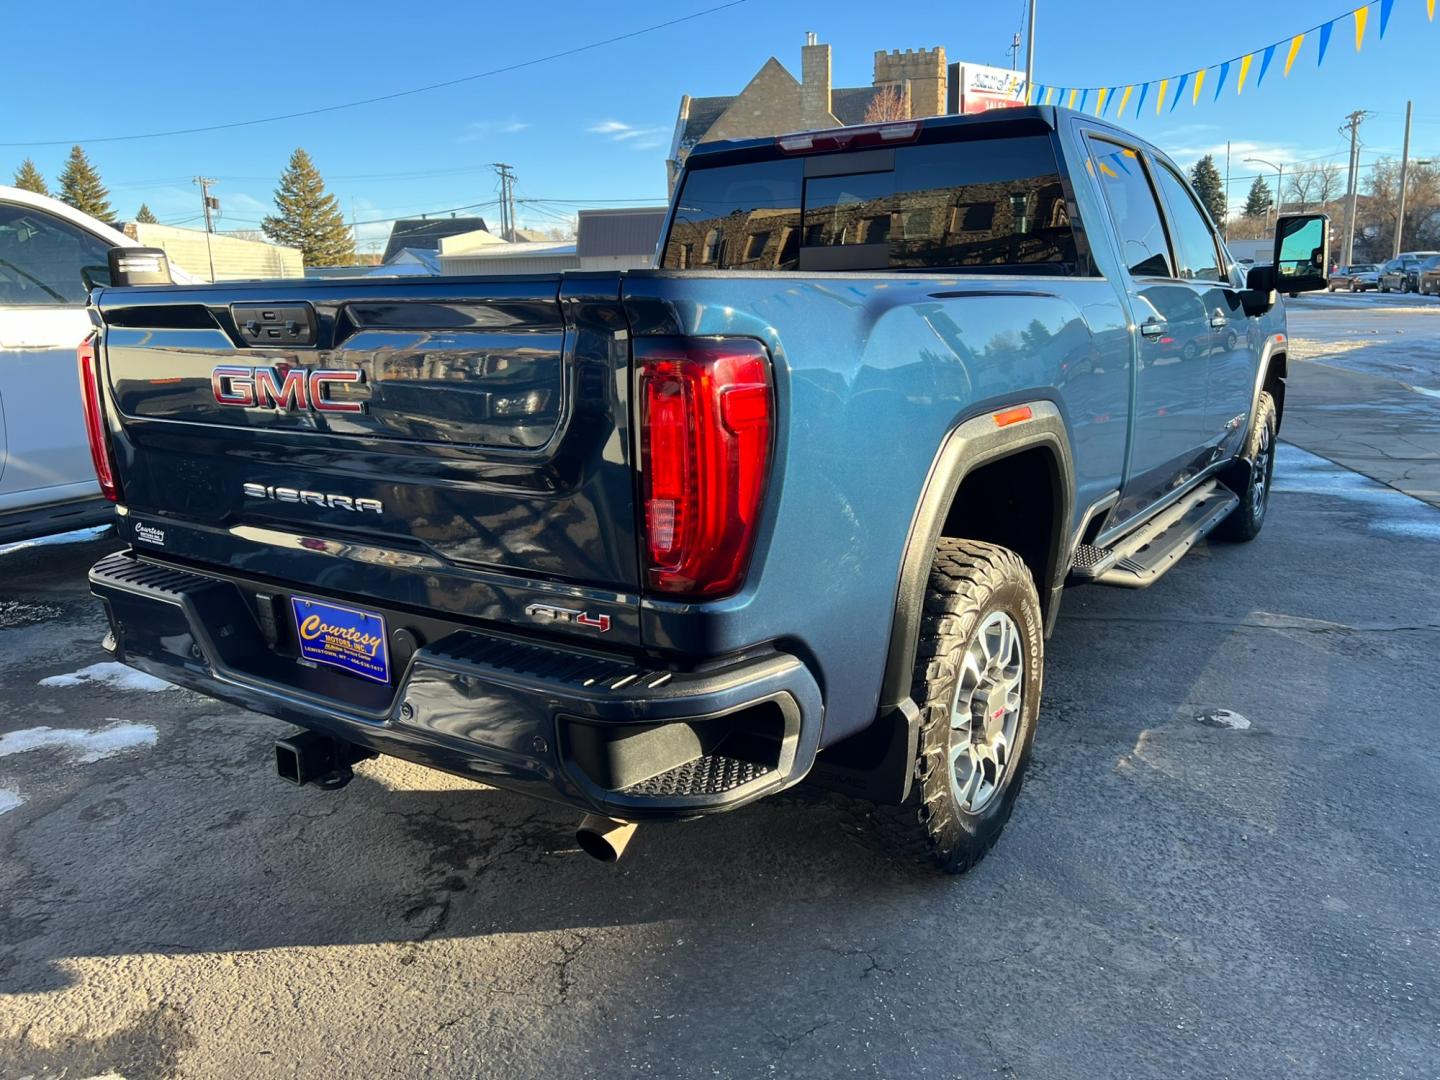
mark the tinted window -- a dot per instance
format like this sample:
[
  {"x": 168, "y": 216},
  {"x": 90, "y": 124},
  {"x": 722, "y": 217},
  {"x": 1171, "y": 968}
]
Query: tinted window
[
  {"x": 1195, "y": 249},
  {"x": 996, "y": 203},
  {"x": 738, "y": 217},
  {"x": 1132, "y": 204},
  {"x": 44, "y": 260}
]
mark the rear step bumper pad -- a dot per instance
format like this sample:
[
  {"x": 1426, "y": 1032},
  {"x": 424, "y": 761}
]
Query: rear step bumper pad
[{"x": 599, "y": 733}]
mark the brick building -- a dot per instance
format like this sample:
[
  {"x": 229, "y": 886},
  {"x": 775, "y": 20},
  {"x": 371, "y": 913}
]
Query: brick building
[{"x": 775, "y": 102}]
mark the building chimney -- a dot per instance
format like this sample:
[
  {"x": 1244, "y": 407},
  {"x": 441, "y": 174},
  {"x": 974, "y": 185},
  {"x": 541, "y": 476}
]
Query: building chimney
[{"x": 815, "y": 83}]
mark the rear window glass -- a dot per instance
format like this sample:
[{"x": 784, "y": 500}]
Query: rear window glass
[{"x": 996, "y": 203}]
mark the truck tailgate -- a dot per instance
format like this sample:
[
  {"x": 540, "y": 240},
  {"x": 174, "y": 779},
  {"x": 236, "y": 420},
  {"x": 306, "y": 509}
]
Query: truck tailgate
[{"x": 443, "y": 432}]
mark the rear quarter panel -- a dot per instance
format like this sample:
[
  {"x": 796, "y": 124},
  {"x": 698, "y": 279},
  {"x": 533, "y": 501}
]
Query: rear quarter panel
[{"x": 871, "y": 373}]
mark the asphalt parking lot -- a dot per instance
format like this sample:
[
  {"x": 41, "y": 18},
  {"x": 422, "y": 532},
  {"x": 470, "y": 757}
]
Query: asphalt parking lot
[{"x": 1225, "y": 864}]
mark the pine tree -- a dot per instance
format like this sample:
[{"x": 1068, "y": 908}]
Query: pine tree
[
  {"x": 1258, "y": 202},
  {"x": 144, "y": 216},
  {"x": 28, "y": 178},
  {"x": 1209, "y": 187},
  {"x": 80, "y": 186},
  {"x": 308, "y": 218}
]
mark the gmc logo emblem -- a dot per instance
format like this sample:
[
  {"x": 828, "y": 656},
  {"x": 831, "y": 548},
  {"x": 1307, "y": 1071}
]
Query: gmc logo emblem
[{"x": 285, "y": 389}]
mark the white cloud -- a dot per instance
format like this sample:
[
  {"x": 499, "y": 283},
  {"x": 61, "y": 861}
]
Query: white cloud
[
  {"x": 634, "y": 136},
  {"x": 484, "y": 129}
]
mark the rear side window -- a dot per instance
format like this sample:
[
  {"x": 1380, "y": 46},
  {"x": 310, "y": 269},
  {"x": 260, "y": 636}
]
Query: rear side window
[
  {"x": 47, "y": 261},
  {"x": 997, "y": 203},
  {"x": 1143, "y": 246},
  {"x": 1194, "y": 242}
]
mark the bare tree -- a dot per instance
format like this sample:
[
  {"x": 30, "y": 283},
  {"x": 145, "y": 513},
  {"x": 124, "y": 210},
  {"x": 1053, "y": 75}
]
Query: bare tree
[
  {"x": 1300, "y": 191},
  {"x": 1376, "y": 219},
  {"x": 889, "y": 103},
  {"x": 1329, "y": 182}
]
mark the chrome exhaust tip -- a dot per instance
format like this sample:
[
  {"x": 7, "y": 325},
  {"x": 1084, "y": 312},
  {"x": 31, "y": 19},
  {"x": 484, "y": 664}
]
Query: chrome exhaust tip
[{"x": 604, "y": 838}]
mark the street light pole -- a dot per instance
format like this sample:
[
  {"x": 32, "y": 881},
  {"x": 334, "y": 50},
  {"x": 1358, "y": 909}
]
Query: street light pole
[
  {"x": 1030, "y": 49},
  {"x": 1279, "y": 179}
]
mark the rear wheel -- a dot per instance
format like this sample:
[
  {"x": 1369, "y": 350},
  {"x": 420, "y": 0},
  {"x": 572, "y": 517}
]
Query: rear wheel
[
  {"x": 977, "y": 682},
  {"x": 1245, "y": 522}
]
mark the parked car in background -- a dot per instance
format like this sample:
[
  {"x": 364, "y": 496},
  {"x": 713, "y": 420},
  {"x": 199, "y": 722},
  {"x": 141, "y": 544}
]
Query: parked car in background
[
  {"x": 1357, "y": 277},
  {"x": 1427, "y": 278},
  {"x": 50, "y": 256},
  {"x": 1399, "y": 274}
]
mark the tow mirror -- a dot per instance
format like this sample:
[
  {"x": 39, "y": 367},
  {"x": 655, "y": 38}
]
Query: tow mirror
[
  {"x": 139, "y": 266},
  {"x": 1302, "y": 252},
  {"x": 1259, "y": 294}
]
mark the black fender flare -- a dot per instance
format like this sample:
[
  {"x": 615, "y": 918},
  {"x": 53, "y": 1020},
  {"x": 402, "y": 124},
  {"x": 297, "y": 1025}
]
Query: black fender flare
[{"x": 976, "y": 441}]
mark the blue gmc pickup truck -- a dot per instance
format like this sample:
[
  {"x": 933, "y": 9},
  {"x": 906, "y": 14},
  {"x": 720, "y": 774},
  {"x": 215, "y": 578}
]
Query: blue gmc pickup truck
[{"x": 799, "y": 501}]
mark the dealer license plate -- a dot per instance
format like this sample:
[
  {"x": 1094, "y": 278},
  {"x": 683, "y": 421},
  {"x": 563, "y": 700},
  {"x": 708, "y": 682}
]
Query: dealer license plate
[{"x": 344, "y": 637}]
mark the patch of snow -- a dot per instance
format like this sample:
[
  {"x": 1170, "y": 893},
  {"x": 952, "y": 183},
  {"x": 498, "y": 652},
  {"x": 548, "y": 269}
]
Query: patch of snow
[
  {"x": 1388, "y": 512},
  {"x": 9, "y": 800},
  {"x": 79, "y": 536},
  {"x": 111, "y": 674},
  {"x": 1223, "y": 718},
  {"x": 82, "y": 745}
]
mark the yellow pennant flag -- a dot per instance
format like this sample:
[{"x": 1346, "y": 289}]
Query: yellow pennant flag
[
  {"x": 1100, "y": 103},
  {"x": 1430, "y": 10},
  {"x": 1124, "y": 100},
  {"x": 1295, "y": 43},
  {"x": 1244, "y": 71},
  {"x": 1070, "y": 103},
  {"x": 1160, "y": 98},
  {"x": 1049, "y": 93},
  {"x": 1362, "y": 16},
  {"x": 1199, "y": 82}
]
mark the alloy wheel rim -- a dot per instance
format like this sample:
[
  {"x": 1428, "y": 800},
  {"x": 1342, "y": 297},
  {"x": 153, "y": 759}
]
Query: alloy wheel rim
[{"x": 985, "y": 715}]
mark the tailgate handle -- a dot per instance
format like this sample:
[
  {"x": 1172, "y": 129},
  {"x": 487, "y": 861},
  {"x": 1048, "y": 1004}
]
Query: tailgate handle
[{"x": 274, "y": 326}]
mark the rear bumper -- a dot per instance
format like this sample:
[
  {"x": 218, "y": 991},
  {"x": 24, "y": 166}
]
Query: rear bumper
[{"x": 596, "y": 732}]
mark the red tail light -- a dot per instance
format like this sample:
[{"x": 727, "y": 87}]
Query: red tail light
[
  {"x": 95, "y": 419},
  {"x": 706, "y": 414}
]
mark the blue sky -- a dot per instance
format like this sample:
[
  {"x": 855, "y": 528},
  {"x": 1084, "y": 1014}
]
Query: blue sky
[{"x": 595, "y": 127}]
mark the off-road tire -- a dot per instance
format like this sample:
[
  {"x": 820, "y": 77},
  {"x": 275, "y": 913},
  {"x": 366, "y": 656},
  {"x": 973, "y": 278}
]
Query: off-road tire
[
  {"x": 1247, "y": 519},
  {"x": 969, "y": 580}
]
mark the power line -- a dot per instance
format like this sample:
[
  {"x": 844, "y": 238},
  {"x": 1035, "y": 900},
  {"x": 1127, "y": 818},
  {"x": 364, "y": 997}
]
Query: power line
[{"x": 392, "y": 96}]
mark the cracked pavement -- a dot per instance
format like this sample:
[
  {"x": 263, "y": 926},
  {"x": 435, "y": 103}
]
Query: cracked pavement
[{"x": 1172, "y": 898}]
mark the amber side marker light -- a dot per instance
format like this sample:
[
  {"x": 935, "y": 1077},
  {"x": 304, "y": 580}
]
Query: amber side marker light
[{"x": 1012, "y": 416}]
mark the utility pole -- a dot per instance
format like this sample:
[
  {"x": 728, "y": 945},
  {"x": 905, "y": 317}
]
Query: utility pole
[
  {"x": 507, "y": 199},
  {"x": 1404, "y": 168},
  {"x": 209, "y": 204},
  {"x": 1352, "y": 124},
  {"x": 1030, "y": 49}
]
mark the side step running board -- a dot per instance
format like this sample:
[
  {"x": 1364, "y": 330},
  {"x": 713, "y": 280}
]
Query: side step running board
[{"x": 1139, "y": 559}]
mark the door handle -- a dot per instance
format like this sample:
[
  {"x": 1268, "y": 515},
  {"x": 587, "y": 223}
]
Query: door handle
[
  {"x": 1218, "y": 321},
  {"x": 1152, "y": 328}
]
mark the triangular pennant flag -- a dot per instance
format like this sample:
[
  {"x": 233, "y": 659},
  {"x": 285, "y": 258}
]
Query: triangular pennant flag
[
  {"x": 1430, "y": 10},
  {"x": 1220, "y": 81},
  {"x": 1199, "y": 82},
  {"x": 1244, "y": 70},
  {"x": 1265, "y": 64},
  {"x": 1049, "y": 93},
  {"x": 1385, "y": 6},
  {"x": 1295, "y": 43},
  {"x": 1070, "y": 103},
  {"x": 1140, "y": 102},
  {"x": 1362, "y": 16},
  {"x": 1160, "y": 100},
  {"x": 1084, "y": 97},
  {"x": 1325, "y": 39},
  {"x": 1179, "y": 90},
  {"x": 1104, "y": 96},
  {"x": 1125, "y": 100}
]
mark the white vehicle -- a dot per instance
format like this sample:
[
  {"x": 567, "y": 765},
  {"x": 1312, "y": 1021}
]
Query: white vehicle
[{"x": 50, "y": 256}]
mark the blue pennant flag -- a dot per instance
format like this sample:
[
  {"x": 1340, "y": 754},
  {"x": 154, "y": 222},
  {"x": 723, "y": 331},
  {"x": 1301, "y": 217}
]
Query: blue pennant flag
[
  {"x": 1265, "y": 64},
  {"x": 1385, "y": 6},
  {"x": 1084, "y": 95},
  {"x": 1144, "y": 89},
  {"x": 1179, "y": 91},
  {"x": 1325, "y": 39},
  {"x": 1220, "y": 82}
]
